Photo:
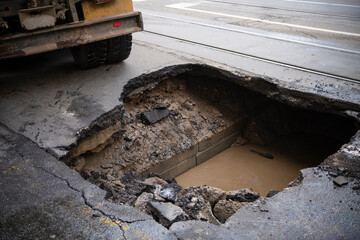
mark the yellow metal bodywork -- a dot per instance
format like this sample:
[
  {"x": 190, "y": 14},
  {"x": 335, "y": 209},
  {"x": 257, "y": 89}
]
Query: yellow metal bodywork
[{"x": 114, "y": 7}]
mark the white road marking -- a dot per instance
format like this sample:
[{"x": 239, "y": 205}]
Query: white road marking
[
  {"x": 186, "y": 6},
  {"x": 255, "y": 34},
  {"x": 322, "y": 3},
  {"x": 139, "y": 0}
]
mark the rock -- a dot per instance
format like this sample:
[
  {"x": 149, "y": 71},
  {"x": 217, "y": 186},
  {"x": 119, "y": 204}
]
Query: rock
[
  {"x": 188, "y": 105},
  {"x": 170, "y": 191},
  {"x": 242, "y": 195},
  {"x": 156, "y": 192},
  {"x": 110, "y": 178},
  {"x": 340, "y": 181},
  {"x": 210, "y": 194},
  {"x": 197, "y": 208},
  {"x": 167, "y": 213},
  {"x": 155, "y": 181},
  {"x": 155, "y": 115},
  {"x": 142, "y": 201},
  {"x": 226, "y": 208},
  {"x": 107, "y": 165},
  {"x": 272, "y": 193},
  {"x": 119, "y": 184}
]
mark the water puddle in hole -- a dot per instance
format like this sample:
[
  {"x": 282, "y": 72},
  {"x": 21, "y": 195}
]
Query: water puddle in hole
[{"x": 239, "y": 167}]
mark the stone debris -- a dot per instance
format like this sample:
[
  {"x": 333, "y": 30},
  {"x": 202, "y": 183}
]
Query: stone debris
[
  {"x": 226, "y": 208},
  {"x": 107, "y": 165},
  {"x": 210, "y": 194},
  {"x": 155, "y": 115},
  {"x": 340, "y": 181},
  {"x": 110, "y": 178},
  {"x": 189, "y": 105},
  {"x": 143, "y": 200},
  {"x": 272, "y": 193},
  {"x": 155, "y": 181},
  {"x": 242, "y": 195},
  {"x": 167, "y": 213},
  {"x": 197, "y": 208},
  {"x": 169, "y": 191}
]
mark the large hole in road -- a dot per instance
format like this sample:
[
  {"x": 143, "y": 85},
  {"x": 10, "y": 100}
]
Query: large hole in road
[{"x": 216, "y": 138}]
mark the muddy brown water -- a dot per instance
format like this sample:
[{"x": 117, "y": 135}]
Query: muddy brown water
[{"x": 239, "y": 167}]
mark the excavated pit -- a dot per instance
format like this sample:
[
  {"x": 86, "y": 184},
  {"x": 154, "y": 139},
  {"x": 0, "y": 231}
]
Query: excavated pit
[{"x": 169, "y": 127}]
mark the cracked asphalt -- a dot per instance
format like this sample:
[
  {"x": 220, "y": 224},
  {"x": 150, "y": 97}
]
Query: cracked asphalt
[{"x": 45, "y": 106}]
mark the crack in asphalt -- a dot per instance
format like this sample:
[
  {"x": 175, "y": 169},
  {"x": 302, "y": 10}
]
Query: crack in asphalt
[{"x": 82, "y": 194}]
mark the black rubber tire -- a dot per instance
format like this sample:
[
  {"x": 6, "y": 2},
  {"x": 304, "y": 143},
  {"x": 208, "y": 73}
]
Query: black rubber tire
[
  {"x": 118, "y": 48},
  {"x": 90, "y": 55}
]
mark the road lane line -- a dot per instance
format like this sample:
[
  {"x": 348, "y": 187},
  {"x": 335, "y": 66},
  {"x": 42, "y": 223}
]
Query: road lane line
[
  {"x": 186, "y": 6},
  {"x": 322, "y": 3},
  {"x": 253, "y": 33},
  {"x": 348, "y": 79},
  {"x": 282, "y": 9}
]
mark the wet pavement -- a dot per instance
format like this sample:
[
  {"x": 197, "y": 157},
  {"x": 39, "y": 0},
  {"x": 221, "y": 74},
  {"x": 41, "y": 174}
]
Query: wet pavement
[{"x": 47, "y": 106}]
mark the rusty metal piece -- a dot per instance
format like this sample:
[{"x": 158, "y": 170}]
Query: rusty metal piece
[
  {"x": 68, "y": 35},
  {"x": 38, "y": 17}
]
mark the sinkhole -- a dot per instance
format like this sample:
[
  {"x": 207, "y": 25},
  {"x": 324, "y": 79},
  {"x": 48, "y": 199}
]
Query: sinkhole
[{"x": 217, "y": 134}]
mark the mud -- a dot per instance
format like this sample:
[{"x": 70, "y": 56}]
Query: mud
[
  {"x": 250, "y": 166},
  {"x": 166, "y": 116}
]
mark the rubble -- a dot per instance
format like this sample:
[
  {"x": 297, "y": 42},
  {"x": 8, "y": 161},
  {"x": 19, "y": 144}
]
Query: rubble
[
  {"x": 155, "y": 115},
  {"x": 143, "y": 200},
  {"x": 226, "y": 208},
  {"x": 242, "y": 195},
  {"x": 167, "y": 213},
  {"x": 210, "y": 194},
  {"x": 340, "y": 181},
  {"x": 272, "y": 193},
  {"x": 197, "y": 208}
]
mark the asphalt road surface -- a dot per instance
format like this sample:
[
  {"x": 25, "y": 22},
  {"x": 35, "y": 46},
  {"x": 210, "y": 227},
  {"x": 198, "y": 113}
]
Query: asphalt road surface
[
  {"x": 300, "y": 46},
  {"x": 323, "y": 36}
]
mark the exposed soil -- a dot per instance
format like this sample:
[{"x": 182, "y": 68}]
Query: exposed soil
[{"x": 198, "y": 110}]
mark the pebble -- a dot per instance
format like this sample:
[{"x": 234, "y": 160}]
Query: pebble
[
  {"x": 97, "y": 214},
  {"x": 107, "y": 165},
  {"x": 110, "y": 178}
]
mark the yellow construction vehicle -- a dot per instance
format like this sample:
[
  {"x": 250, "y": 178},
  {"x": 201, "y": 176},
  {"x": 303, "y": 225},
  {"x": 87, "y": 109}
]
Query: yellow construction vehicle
[{"x": 96, "y": 31}]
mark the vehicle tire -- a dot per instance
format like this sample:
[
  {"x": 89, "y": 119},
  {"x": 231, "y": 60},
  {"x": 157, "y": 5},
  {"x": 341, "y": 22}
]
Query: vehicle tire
[
  {"x": 118, "y": 48},
  {"x": 90, "y": 55}
]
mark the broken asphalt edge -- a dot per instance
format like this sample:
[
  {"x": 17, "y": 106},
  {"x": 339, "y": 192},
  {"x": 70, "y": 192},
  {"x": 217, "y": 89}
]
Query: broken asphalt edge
[{"x": 301, "y": 98}]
